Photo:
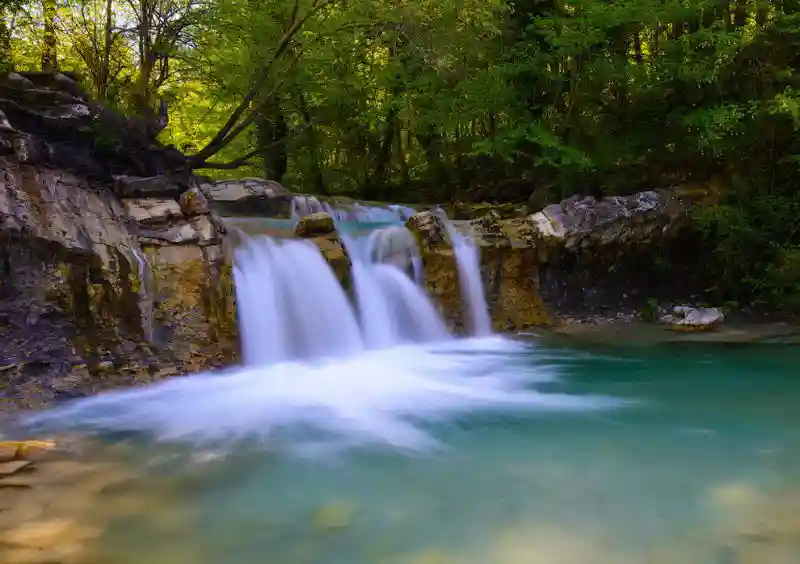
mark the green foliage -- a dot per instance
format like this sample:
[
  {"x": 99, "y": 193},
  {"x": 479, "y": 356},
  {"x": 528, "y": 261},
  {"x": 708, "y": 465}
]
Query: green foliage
[{"x": 458, "y": 100}]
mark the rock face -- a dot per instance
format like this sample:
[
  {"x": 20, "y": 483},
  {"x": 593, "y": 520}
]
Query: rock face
[
  {"x": 90, "y": 282},
  {"x": 580, "y": 256},
  {"x": 249, "y": 196}
]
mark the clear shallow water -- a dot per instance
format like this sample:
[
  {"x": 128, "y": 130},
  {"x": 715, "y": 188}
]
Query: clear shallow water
[{"x": 482, "y": 451}]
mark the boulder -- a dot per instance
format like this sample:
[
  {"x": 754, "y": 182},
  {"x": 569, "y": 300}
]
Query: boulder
[
  {"x": 193, "y": 202},
  {"x": 428, "y": 228},
  {"x": 249, "y": 196},
  {"x": 583, "y": 222},
  {"x": 684, "y": 318},
  {"x": 314, "y": 224}
]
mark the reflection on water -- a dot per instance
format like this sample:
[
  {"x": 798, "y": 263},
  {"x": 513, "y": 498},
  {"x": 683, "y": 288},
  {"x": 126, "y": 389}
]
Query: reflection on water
[{"x": 519, "y": 455}]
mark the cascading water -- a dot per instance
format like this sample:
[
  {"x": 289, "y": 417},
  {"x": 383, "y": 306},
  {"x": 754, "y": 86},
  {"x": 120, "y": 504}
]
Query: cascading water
[
  {"x": 469, "y": 275},
  {"x": 290, "y": 304},
  {"x": 392, "y": 308}
]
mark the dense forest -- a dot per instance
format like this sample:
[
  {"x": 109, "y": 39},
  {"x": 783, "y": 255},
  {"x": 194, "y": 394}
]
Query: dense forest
[{"x": 489, "y": 100}]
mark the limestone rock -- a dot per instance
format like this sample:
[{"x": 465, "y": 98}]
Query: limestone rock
[
  {"x": 193, "y": 202},
  {"x": 206, "y": 232},
  {"x": 145, "y": 187},
  {"x": 149, "y": 211},
  {"x": 178, "y": 234},
  {"x": 581, "y": 222},
  {"x": 684, "y": 318},
  {"x": 314, "y": 224},
  {"x": 249, "y": 196},
  {"x": 428, "y": 228}
]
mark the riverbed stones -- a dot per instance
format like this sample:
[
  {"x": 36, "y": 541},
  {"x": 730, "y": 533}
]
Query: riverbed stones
[
  {"x": 314, "y": 224},
  {"x": 428, "y": 228}
]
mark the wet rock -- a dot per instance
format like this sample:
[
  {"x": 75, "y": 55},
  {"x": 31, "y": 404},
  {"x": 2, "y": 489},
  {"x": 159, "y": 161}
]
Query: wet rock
[
  {"x": 149, "y": 211},
  {"x": 249, "y": 196},
  {"x": 684, "y": 318},
  {"x": 145, "y": 187},
  {"x": 428, "y": 228},
  {"x": 193, "y": 202},
  {"x": 335, "y": 255},
  {"x": 314, "y": 224}
]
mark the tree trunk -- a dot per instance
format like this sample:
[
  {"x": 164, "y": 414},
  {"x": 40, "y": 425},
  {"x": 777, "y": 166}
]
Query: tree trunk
[
  {"x": 49, "y": 43},
  {"x": 272, "y": 131},
  {"x": 104, "y": 76},
  {"x": 313, "y": 146},
  {"x": 6, "y": 62}
]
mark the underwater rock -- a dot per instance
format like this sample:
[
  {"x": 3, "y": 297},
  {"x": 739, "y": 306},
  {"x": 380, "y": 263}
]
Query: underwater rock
[
  {"x": 337, "y": 515},
  {"x": 314, "y": 224}
]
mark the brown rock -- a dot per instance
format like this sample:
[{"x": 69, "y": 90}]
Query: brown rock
[
  {"x": 206, "y": 232},
  {"x": 193, "y": 202},
  {"x": 314, "y": 224}
]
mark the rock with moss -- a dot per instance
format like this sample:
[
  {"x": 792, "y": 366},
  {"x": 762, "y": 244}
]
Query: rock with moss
[{"x": 314, "y": 224}]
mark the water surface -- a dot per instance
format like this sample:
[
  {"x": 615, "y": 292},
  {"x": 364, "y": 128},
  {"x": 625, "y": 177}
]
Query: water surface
[{"x": 478, "y": 451}]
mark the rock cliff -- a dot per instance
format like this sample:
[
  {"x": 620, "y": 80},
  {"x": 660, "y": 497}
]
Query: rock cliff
[{"x": 110, "y": 260}]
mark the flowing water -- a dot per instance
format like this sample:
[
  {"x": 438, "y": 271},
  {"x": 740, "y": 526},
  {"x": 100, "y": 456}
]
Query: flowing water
[
  {"x": 474, "y": 451},
  {"x": 333, "y": 446}
]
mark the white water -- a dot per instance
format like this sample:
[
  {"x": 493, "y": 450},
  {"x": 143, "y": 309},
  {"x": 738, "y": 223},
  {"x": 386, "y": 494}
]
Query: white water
[
  {"x": 468, "y": 262},
  {"x": 290, "y": 304},
  {"x": 314, "y": 378},
  {"x": 393, "y": 309},
  {"x": 381, "y": 397},
  {"x": 306, "y": 204}
]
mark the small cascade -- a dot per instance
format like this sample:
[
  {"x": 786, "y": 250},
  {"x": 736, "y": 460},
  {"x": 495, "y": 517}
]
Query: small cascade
[
  {"x": 146, "y": 290},
  {"x": 468, "y": 263},
  {"x": 392, "y": 308},
  {"x": 290, "y": 304},
  {"x": 303, "y": 205},
  {"x": 396, "y": 245}
]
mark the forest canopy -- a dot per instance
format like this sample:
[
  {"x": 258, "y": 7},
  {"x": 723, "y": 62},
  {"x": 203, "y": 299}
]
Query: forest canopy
[{"x": 436, "y": 100}]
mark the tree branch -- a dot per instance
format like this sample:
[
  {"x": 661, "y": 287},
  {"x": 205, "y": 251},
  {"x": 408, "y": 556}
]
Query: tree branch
[{"x": 224, "y": 135}]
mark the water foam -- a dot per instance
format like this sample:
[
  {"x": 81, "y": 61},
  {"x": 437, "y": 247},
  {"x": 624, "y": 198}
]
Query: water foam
[{"x": 383, "y": 397}]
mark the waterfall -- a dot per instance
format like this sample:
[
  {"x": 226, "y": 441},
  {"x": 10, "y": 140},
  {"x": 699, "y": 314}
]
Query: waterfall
[
  {"x": 146, "y": 305},
  {"x": 392, "y": 308},
  {"x": 468, "y": 263},
  {"x": 290, "y": 303}
]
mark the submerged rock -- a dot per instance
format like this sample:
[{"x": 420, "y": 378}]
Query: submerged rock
[{"x": 314, "y": 224}]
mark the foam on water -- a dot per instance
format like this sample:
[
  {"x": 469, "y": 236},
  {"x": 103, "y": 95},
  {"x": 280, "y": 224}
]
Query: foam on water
[{"x": 383, "y": 397}]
